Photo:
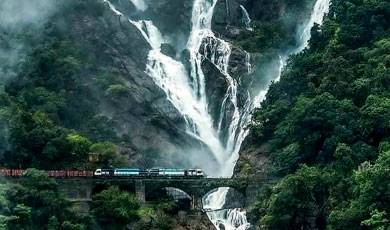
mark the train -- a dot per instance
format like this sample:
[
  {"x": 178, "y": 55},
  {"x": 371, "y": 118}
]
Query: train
[
  {"x": 155, "y": 172},
  {"x": 115, "y": 172}
]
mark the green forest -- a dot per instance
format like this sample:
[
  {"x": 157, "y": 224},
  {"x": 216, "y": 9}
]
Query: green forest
[{"x": 326, "y": 125}]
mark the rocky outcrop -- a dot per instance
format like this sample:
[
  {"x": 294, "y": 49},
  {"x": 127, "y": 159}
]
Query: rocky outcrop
[
  {"x": 216, "y": 85},
  {"x": 228, "y": 19},
  {"x": 238, "y": 65},
  {"x": 195, "y": 221},
  {"x": 253, "y": 161},
  {"x": 171, "y": 16}
]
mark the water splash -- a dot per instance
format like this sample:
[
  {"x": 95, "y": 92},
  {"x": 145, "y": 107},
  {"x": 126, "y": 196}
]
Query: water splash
[{"x": 228, "y": 219}]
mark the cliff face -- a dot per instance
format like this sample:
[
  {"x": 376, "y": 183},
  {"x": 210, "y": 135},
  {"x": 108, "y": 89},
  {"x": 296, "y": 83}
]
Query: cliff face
[
  {"x": 141, "y": 115},
  {"x": 123, "y": 104}
]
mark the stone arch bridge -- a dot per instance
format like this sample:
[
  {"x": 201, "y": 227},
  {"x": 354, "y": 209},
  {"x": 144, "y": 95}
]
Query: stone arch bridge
[{"x": 81, "y": 190}]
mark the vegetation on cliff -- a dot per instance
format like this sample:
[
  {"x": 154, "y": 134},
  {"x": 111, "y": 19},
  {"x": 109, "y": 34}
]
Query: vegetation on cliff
[
  {"x": 326, "y": 124},
  {"x": 50, "y": 116},
  {"x": 36, "y": 203}
]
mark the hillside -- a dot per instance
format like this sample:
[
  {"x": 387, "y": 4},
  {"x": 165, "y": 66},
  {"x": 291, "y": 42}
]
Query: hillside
[{"x": 324, "y": 130}]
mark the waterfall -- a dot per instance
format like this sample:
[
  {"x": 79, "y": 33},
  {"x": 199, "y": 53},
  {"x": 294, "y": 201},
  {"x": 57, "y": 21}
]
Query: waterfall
[
  {"x": 230, "y": 219},
  {"x": 235, "y": 219},
  {"x": 227, "y": 8},
  {"x": 112, "y": 7},
  {"x": 321, "y": 7},
  {"x": 185, "y": 88},
  {"x": 246, "y": 19},
  {"x": 248, "y": 62},
  {"x": 139, "y": 4}
]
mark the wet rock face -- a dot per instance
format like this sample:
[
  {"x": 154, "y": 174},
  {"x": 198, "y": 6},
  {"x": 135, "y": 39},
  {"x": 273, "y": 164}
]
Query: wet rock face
[
  {"x": 227, "y": 19},
  {"x": 253, "y": 159},
  {"x": 188, "y": 221},
  {"x": 143, "y": 116},
  {"x": 216, "y": 86},
  {"x": 168, "y": 50},
  {"x": 171, "y": 16},
  {"x": 229, "y": 12},
  {"x": 234, "y": 199},
  {"x": 238, "y": 65}
]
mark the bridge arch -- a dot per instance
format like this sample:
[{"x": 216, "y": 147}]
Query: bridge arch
[{"x": 182, "y": 199}]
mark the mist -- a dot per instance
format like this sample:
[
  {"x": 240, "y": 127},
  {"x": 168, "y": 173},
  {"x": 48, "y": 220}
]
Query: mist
[{"x": 17, "y": 18}]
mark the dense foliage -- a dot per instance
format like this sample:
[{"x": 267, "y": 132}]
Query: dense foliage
[
  {"x": 49, "y": 116},
  {"x": 117, "y": 209},
  {"x": 35, "y": 203},
  {"x": 326, "y": 124},
  {"x": 274, "y": 24}
]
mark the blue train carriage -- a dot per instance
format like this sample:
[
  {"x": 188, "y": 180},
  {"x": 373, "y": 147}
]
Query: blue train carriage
[
  {"x": 154, "y": 172},
  {"x": 172, "y": 172},
  {"x": 127, "y": 172}
]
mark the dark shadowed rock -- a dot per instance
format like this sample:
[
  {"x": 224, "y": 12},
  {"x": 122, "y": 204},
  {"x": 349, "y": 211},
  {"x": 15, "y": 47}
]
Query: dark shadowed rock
[
  {"x": 238, "y": 65},
  {"x": 171, "y": 16},
  {"x": 216, "y": 85},
  {"x": 168, "y": 50}
]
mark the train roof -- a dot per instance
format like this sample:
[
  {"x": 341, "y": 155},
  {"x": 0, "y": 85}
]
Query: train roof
[{"x": 127, "y": 169}]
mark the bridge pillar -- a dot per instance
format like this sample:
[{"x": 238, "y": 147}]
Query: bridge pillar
[
  {"x": 196, "y": 203},
  {"x": 140, "y": 190},
  {"x": 78, "y": 192}
]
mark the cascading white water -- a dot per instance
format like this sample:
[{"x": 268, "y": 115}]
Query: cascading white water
[
  {"x": 246, "y": 19},
  {"x": 187, "y": 92},
  {"x": 321, "y": 7},
  {"x": 139, "y": 4},
  {"x": 230, "y": 219},
  {"x": 216, "y": 200},
  {"x": 248, "y": 62},
  {"x": 171, "y": 76},
  {"x": 112, "y": 7}
]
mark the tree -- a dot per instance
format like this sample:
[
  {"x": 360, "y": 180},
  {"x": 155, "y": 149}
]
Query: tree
[
  {"x": 299, "y": 201},
  {"x": 115, "y": 208},
  {"x": 108, "y": 154},
  {"x": 80, "y": 146},
  {"x": 370, "y": 203},
  {"x": 36, "y": 203}
]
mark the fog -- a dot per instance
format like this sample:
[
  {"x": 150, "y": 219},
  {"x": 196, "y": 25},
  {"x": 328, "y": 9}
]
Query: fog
[
  {"x": 16, "y": 13},
  {"x": 17, "y": 16}
]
